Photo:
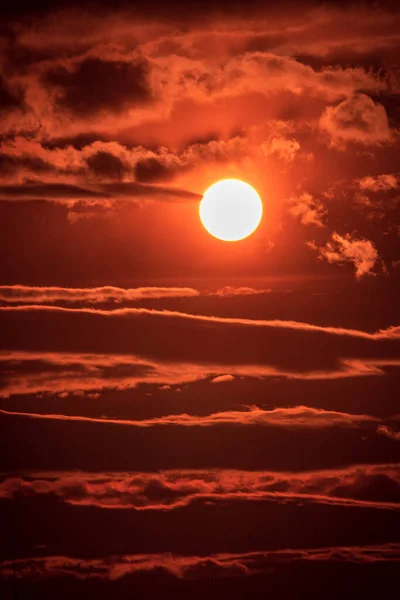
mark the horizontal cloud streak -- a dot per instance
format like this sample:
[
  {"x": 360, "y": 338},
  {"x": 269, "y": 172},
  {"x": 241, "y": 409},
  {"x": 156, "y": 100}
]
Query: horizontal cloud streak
[
  {"x": 23, "y": 293},
  {"x": 256, "y": 441},
  {"x": 375, "y": 486},
  {"x": 118, "y": 349},
  {"x": 198, "y": 567},
  {"x": 95, "y": 195},
  {"x": 390, "y": 333},
  {"x": 48, "y": 294},
  {"x": 65, "y": 373},
  {"x": 290, "y": 418}
]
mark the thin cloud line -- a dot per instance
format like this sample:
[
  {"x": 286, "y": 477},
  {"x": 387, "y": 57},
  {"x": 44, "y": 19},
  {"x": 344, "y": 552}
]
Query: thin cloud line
[{"x": 389, "y": 333}]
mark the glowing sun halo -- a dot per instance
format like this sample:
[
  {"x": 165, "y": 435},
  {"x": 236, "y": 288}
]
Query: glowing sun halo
[{"x": 231, "y": 210}]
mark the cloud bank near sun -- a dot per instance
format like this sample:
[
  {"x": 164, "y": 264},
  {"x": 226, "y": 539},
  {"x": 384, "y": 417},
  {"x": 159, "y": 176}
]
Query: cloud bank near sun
[{"x": 279, "y": 99}]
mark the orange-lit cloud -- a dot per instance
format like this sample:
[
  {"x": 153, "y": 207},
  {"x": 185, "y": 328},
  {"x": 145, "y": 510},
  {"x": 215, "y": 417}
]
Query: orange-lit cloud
[
  {"x": 309, "y": 210},
  {"x": 357, "y": 119},
  {"x": 275, "y": 98},
  {"x": 360, "y": 485},
  {"x": 138, "y": 345},
  {"x": 223, "y": 378},
  {"x": 384, "y": 182},
  {"x": 124, "y": 360},
  {"x": 390, "y": 333},
  {"x": 229, "y": 291},
  {"x": 198, "y": 567},
  {"x": 290, "y": 418},
  {"x": 41, "y": 295},
  {"x": 78, "y": 375},
  {"x": 37, "y": 295},
  {"x": 361, "y": 252},
  {"x": 388, "y": 432}
]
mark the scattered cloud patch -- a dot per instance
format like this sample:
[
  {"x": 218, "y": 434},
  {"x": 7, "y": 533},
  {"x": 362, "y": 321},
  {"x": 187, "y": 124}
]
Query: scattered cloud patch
[
  {"x": 347, "y": 248},
  {"x": 308, "y": 209},
  {"x": 223, "y": 378},
  {"x": 388, "y": 432},
  {"x": 230, "y": 291},
  {"x": 357, "y": 119},
  {"x": 380, "y": 183}
]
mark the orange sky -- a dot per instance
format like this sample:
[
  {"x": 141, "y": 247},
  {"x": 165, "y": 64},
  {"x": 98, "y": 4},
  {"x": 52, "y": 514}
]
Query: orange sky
[{"x": 181, "y": 415}]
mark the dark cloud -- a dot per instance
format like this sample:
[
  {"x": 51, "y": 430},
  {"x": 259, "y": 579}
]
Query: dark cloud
[
  {"x": 151, "y": 169},
  {"x": 11, "y": 165},
  {"x": 68, "y": 193},
  {"x": 128, "y": 189},
  {"x": 372, "y": 487},
  {"x": 51, "y": 191},
  {"x": 107, "y": 166},
  {"x": 95, "y": 85},
  {"x": 9, "y": 99}
]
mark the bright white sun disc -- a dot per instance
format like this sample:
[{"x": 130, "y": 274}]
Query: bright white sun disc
[{"x": 231, "y": 210}]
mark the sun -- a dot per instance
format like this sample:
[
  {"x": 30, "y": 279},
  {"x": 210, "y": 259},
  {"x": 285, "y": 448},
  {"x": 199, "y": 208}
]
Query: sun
[{"x": 231, "y": 210}]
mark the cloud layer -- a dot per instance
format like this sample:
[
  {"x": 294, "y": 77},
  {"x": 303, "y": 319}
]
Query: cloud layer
[
  {"x": 181, "y": 417},
  {"x": 139, "y": 345},
  {"x": 363, "y": 485},
  {"x": 198, "y": 567}
]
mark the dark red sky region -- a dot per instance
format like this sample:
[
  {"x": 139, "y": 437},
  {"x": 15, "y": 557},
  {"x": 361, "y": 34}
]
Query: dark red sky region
[{"x": 183, "y": 417}]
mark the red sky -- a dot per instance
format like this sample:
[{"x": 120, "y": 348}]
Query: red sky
[{"x": 182, "y": 415}]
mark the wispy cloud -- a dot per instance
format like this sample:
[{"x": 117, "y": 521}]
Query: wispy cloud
[
  {"x": 48, "y": 294},
  {"x": 298, "y": 417},
  {"x": 38, "y": 295},
  {"x": 390, "y": 333}
]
